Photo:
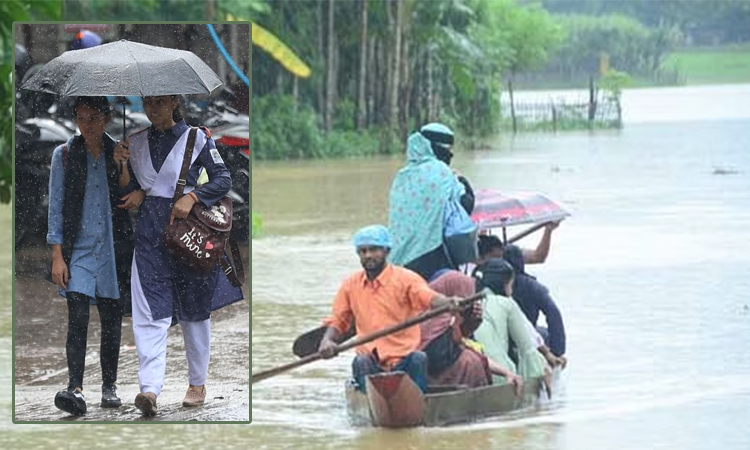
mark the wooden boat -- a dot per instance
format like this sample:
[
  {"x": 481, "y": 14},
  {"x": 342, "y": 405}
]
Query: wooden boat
[{"x": 393, "y": 400}]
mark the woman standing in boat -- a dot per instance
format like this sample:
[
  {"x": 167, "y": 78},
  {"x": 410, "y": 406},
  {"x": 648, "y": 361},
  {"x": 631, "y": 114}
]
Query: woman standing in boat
[
  {"x": 161, "y": 287},
  {"x": 425, "y": 206}
]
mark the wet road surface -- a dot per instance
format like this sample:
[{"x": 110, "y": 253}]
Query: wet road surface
[{"x": 40, "y": 366}]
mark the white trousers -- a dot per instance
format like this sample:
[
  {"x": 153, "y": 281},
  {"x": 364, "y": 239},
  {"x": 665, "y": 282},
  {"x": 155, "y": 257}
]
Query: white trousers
[{"x": 151, "y": 342}]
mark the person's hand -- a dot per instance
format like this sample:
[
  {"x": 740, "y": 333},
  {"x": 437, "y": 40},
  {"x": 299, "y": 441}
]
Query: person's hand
[
  {"x": 551, "y": 226},
  {"x": 60, "y": 274},
  {"x": 122, "y": 152},
  {"x": 182, "y": 208},
  {"x": 132, "y": 200},
  {"x": 547, "y": 382},
  {"x": 328, "y": 349},
  {"x": 454, "y": 303},
  {"x": 476, "y": 310},
  {"x": 517, "y": 381}
]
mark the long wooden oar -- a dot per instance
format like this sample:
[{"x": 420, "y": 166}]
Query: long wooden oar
[
  {"x": 308, "y": 343},
  {"x": 260, "y": 376}
]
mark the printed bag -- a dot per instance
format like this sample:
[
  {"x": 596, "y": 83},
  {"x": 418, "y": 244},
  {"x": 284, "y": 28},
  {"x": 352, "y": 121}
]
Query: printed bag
[{"x": 199, "y": 240}]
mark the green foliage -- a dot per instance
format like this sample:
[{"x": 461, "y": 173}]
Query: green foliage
[
  {"x": 10, "y": 11},
  {"x": 703, "y": 22},
  {"x": 612, "y": 82},
  {"x": 172, "y": 10},
  {"x": 257, "y": 224},
  {"x": 725, "y": 64},
  {"x": 283, "y": 130},
  {"x": 456, "y": 52},
  {"x": 613, "y": 40}
]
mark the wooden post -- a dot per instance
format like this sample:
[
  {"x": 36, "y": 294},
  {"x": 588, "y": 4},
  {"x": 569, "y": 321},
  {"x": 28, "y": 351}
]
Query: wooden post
[
  {"x": 512, "y": 107},
  {"x": 554, "y": 118},
  {"x": 592, "y": 105}
]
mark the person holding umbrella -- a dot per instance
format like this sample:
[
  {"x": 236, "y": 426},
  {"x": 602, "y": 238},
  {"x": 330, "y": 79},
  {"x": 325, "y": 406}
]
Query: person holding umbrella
[
  {"x": 91, "y": 236},
  {"x": 161, "y": 286}
]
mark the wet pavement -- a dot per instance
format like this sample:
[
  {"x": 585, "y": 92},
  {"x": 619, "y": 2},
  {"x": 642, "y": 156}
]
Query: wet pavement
[{"x": 40, "y": 366}]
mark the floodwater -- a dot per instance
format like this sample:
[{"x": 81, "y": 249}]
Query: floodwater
[{"x": 651, "y": 274}]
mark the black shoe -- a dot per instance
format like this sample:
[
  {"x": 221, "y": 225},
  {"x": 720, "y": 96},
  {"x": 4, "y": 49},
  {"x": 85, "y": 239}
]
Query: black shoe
[
  {"x": 110, "y": 398},
  {"x": 71, "y": 401}
]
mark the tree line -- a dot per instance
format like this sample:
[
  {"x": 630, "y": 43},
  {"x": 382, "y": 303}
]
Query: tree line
[{"x": 382, "y": 68}]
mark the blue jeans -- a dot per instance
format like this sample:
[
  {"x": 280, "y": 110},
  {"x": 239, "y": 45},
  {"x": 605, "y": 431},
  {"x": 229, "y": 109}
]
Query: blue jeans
[{"x": 414, "y": 364}]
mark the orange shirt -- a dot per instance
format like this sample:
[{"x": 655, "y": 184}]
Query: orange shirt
[{"x": 396, "y": 295}]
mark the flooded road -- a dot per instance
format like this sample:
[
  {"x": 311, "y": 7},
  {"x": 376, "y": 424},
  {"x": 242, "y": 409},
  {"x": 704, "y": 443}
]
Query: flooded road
[
  {"x": 650, "y": 272},
  {"x": 41, "y": 370}
]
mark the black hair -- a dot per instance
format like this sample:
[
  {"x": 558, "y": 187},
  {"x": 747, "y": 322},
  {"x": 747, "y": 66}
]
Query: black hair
[
  {"x": 177, "y": 112},
  {"x": 494, "y": 274},
  {"x": 98, "y": 103},
  {"x": 487, "y": 243}
]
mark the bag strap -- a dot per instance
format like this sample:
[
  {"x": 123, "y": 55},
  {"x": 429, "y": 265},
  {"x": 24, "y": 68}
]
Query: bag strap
[
  {"x": 182, "y": 179},
  {"x": 236, "y": 277}
]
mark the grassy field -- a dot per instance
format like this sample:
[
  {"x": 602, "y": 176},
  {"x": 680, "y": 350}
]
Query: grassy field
[{"x": 727, "y": 64}]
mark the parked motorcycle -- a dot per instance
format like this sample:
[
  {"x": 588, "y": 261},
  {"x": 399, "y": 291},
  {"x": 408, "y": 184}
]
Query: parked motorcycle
[{"x": 36, "y": 138}]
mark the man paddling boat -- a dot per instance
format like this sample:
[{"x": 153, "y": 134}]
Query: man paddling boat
[{"x": 379, "y": 296}]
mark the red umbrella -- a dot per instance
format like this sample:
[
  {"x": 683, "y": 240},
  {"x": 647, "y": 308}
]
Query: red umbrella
[{"x": 493, "y": 209}]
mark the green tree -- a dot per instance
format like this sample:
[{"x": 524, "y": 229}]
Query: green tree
[{"x": 10, "y": 11}]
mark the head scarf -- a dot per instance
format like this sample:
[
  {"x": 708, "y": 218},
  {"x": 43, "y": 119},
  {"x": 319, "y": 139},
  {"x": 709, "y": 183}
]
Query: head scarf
[
  {"x": 373, "y": 235},
  {"x": 417, "y": 201},
  {"x": 441, "y": 140}
]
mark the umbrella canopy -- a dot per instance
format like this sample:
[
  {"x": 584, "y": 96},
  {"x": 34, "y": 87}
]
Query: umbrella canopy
[
  {"x": 493, "y": 209},
  {"x": 125, "y": 68}
]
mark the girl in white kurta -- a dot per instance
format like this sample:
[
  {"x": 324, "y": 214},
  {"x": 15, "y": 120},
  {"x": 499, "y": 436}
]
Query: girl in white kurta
[{"x": 161, "y": 287}]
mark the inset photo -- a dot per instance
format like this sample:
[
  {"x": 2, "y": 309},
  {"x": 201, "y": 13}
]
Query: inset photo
[{"x": 131, "y": 223}]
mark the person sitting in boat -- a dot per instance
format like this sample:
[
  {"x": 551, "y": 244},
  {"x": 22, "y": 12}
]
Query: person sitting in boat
[
  {"x": 429, "y": 223},
  {"x": 462, "y": 372},
  {"x": 533, "y": 297},
  {"x": 490, "y": 246},
  {"x": 379, "y": 296},
  {"x": 451, "y": 359},
  {"x": 503, "y": 320}
]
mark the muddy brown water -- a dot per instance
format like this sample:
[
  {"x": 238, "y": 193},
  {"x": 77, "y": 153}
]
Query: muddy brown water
[{"x": 651, "y": 274}]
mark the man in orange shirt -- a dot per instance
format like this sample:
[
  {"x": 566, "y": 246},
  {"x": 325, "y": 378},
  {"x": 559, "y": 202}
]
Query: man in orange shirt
[{"x": 379, "y": 296}]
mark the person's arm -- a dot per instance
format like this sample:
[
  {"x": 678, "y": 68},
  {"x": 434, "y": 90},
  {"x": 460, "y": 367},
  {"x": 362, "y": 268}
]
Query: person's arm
[
  {"x": 329, "y": 343},
  {"x": 540, "y": 253},
  {"x": 60, "y": 274},
  {"x": 498, "y": 369},
  {"x": 551, "y": 359},
  {"x": 219, "y": 180},
  {"x": 339, "y": 322},
  {"x": 467, "y": 199},
  {"x": 472, "y": 318},
  {"x": 554, "y": 319}
]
